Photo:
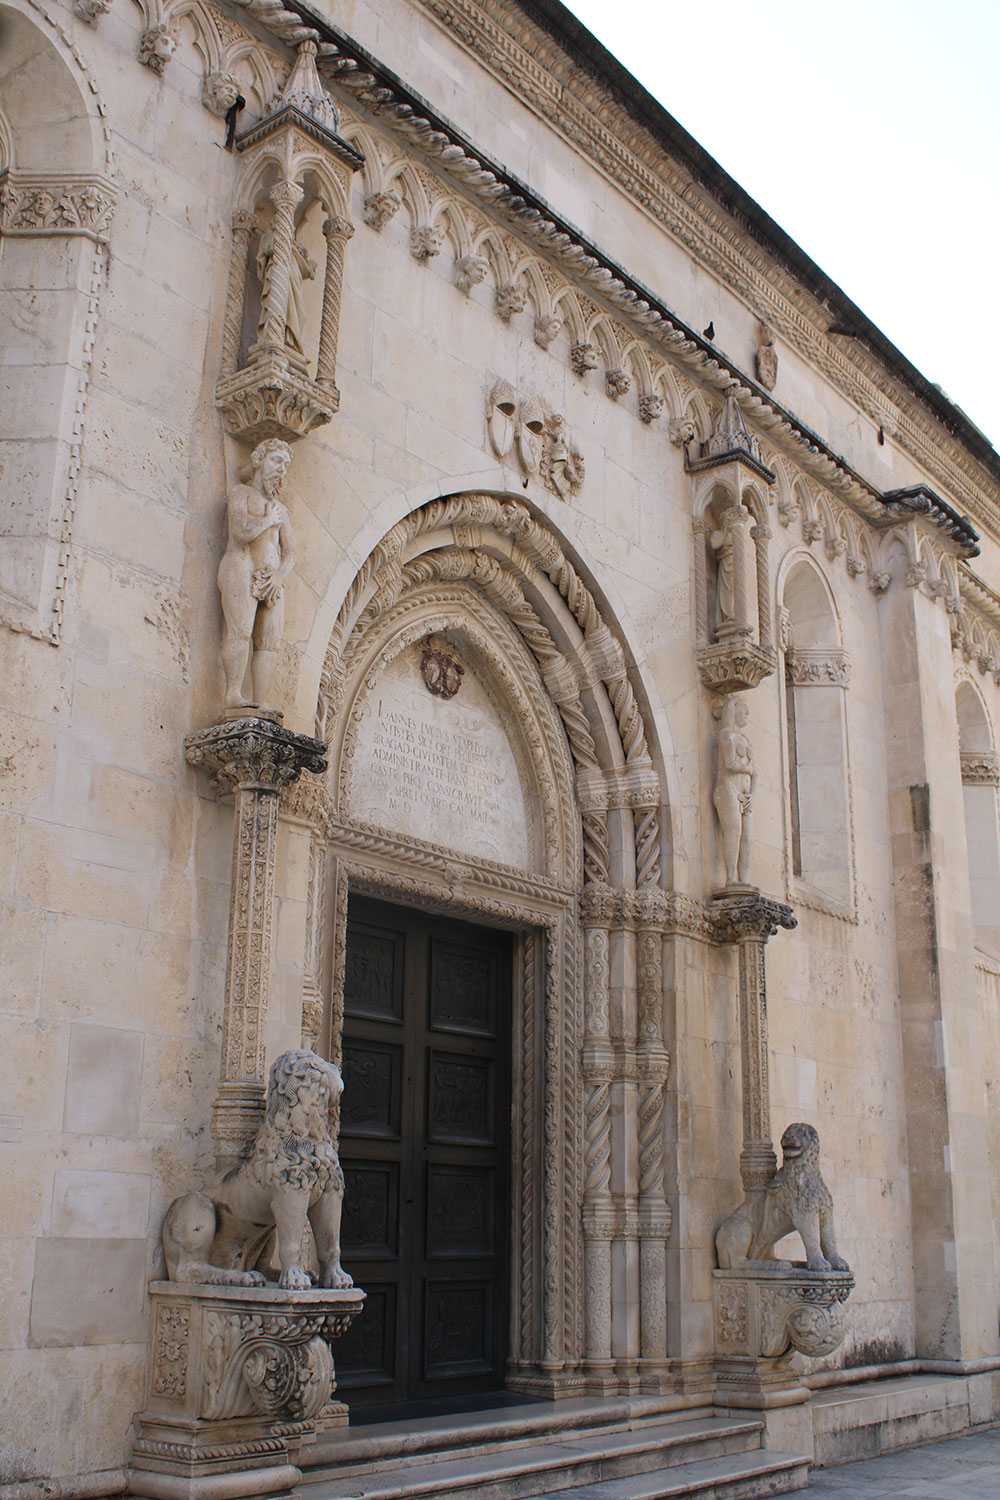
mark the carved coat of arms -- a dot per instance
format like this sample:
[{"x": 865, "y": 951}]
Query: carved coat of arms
[{"x": 442, "y": 673}]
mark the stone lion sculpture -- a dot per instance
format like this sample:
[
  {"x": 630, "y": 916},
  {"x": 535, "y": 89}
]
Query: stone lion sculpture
[
  {"x": 292, "y": 1177},
  {"x": 796, "y": 1198}
]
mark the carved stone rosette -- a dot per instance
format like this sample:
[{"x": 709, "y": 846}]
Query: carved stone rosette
[
  {"x": 748, "y": 919},
  {"x": 236, "y": 1379},
  {"x": 253, "y": 758},
  {"x": 764, "y": 1312}
]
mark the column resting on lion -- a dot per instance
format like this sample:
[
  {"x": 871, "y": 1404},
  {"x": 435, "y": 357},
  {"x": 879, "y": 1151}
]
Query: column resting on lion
[
  {"x": 291, "y": 1179},
  {"x": 796, "y": 1198}
]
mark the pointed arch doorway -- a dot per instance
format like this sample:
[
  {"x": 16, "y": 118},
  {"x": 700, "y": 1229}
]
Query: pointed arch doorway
[{"x": 490, "y": 763}]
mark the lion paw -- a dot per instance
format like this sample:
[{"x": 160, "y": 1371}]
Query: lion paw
[
  {"x": 336, "y": 1278},
  {"x": 295, "y": 1280}
]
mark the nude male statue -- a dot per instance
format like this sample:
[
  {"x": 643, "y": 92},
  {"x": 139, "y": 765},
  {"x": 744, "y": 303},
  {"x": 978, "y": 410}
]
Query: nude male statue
[{"x": 257, "y": 560}]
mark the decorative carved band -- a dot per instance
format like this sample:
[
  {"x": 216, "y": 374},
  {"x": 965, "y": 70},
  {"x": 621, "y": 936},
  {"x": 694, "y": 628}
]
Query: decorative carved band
[
  {"x": 821, "y": 665},
  {"x": 51, "y": 203},
  {"x": 629, "y": 786},
  {"x": 980, "y": 768}
]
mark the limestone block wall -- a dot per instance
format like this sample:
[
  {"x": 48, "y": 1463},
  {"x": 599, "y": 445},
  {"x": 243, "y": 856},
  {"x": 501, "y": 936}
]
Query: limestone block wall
[{"x": 115, "y": 857}]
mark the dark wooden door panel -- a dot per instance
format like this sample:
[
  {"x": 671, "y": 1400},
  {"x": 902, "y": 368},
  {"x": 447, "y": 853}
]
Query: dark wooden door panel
[{"x": 425, "y": 1148}]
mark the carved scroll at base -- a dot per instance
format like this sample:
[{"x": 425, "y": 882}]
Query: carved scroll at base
[
  {"x": 236, "y": 1379},
  {"x": 762, "y": 1313}
]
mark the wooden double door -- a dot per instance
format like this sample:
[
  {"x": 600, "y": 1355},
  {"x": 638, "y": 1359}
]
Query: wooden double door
[{"x": 424, "y": 1143}]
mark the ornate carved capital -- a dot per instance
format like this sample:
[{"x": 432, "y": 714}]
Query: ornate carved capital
[
  {"x": 731, "y": 665},
  {"x": 742, "y": 916},
  {"x": 336, "y": 227},
  {"x": 254, "y": 753},
  {"x": 980, "y": 768},
  {"x": 598, "y": 904},
  {"x": 268, "y": 399}
]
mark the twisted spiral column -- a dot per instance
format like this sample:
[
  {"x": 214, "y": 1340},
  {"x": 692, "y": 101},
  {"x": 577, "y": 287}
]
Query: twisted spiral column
[
  {"x": 285, "y": 196},
  {"x": 337, "y": 231}
]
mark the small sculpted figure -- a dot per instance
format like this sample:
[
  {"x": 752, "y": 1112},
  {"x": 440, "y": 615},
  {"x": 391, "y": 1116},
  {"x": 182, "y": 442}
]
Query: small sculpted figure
[
  {"x": 733, "y": 796},
  {"x": 796, "y": 1198},
  {"x": 257, "y": 560},
  {"x": 303, "y": 269},
  {"x": 724, "y": 542},
  {"x": 292, "y": 1178}
]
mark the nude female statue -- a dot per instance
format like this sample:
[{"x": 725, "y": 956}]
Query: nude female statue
[{"x": 734, "y": 789}]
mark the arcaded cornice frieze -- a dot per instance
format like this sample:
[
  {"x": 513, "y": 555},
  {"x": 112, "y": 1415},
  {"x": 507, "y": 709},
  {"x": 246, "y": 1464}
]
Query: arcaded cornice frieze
[
  {"x": 569, "y": 97},
  {"x": 573, "y": 102}
]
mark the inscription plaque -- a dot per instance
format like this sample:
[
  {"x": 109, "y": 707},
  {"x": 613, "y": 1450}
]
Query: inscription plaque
[{"x": 439, "y": 768}]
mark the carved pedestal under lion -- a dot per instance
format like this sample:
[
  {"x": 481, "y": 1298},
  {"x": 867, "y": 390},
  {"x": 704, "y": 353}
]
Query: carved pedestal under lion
[
  {"x": 766, "y": 1309},
  {"x": 240, "y": 1369}
]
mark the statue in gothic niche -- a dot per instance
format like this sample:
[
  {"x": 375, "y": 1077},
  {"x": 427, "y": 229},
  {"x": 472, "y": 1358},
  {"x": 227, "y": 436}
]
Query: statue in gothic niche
[
  {"x": 303, "y": 269},
  {"x": 733, "y": 796},
  {"x": 258, "y": 558},
  {"x": 724, "y": 541}
]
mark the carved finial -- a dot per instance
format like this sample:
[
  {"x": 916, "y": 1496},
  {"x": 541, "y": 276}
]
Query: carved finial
[
  {"x": 730, "y": 435},
  {"x": 305, "y": 92}
]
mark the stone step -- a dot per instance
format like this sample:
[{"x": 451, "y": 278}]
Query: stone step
[
  {"x": 882, "y": 1416},
  {"x": 746, "y": 1476},
  {"x": 546, "y": 1465},
  {"x": 386, "y": 1444}
]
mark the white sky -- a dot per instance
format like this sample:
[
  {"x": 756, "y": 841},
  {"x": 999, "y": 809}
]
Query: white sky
[{"x": 870, "y": 131}]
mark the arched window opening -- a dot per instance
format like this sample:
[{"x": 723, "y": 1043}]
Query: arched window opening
[
  {"x": 816, "y": 674},
  {"x": 980, "y": 778}
]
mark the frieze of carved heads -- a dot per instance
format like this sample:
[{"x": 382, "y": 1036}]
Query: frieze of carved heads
[
  {"x": 91, "y": 11},
  {"x": 286, "y": 271},
  {"x": 157, "y": 46},
  {"x": 53, "y": 204},
  {"x": 980, "y": 768},
  {"x": 796, "y": 1200},
  {"x": 817, "y": 666},
  {"x": 584, "y": 357}
]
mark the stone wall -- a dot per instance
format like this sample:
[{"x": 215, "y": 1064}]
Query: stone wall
[{"x": 115, "y": 856}]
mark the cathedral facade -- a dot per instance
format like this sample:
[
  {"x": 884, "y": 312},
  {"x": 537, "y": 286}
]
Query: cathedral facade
[{"x": 483, "y": 613}]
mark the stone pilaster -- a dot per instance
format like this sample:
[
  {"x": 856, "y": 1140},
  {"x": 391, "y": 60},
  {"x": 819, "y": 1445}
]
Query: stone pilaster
[
  {"x": 748, "y": 919},
  {"x": 253, "y": 758}
]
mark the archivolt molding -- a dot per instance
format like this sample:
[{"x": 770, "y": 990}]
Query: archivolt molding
[{"x": 518, "y": 566}]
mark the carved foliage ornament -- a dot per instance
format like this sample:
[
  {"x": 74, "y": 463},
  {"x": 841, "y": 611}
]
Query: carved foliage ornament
[{"x": 51, "y": 204}]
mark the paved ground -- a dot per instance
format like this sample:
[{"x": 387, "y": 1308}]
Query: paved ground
[{"x": 960, "y": 1468}]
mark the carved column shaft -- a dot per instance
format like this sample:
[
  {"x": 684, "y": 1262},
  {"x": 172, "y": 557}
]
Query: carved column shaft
[
  {"x": 285, "y": 196},
  {"x": 598, "y": 1072},
  {"x": 232, "y": 328},
  {"x": 338, "y": 231},
  {"x": 758, "y": 1161},
  {"x": 700, "y": 583},
  {"x": 741, "y": 584},
  {"x": 253, "y": 758},
  {"x": 748, "y": 921},
  {"x": 761, "y": 536}
]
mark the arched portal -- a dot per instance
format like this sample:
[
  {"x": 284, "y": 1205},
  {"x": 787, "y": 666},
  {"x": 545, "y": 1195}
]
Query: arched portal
[{"x": 474, "y": 682}]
